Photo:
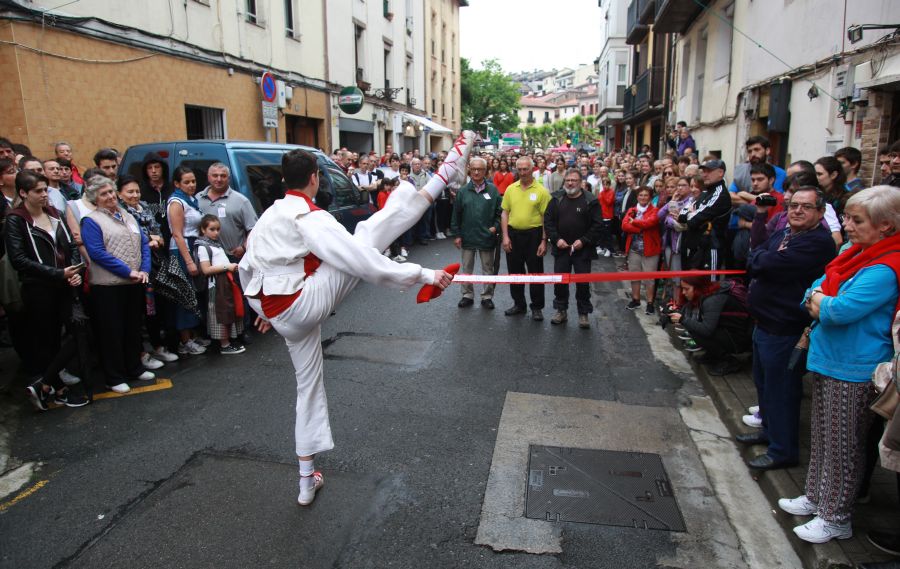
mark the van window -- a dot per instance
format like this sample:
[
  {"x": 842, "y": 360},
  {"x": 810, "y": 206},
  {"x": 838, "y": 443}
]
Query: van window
[
  {"x": 199, "y": 168},
  {"x": 265, "y": 184},
  {"x": 345, "y": 193}
]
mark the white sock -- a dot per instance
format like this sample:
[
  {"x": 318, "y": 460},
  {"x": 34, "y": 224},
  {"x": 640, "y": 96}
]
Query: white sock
[
  {"x": 435, "y": 187},
  {"x": 307, "y": 468}
]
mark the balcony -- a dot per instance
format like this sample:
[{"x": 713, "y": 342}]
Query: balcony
[
  {"x": 645, "y": 93},
  {"x": 636, "y": 31},
  {"x": 676, "y": 16},
  {"x": 646, "y": 11}
]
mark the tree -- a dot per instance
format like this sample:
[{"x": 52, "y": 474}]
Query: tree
[{"x": 488, "y": 96}]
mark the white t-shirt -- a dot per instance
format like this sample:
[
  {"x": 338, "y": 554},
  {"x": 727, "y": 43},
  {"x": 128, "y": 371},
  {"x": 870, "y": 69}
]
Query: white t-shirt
[
  {"x": 79, "y": 208},
  {"x": 831, "y": 219},
  {"x": 219, "y": 259}
]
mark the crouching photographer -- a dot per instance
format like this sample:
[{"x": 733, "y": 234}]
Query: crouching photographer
[{"x": 716, "y": 317}]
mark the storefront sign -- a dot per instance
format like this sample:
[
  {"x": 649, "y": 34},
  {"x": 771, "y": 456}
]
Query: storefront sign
[{"x": 350, "y": 100}]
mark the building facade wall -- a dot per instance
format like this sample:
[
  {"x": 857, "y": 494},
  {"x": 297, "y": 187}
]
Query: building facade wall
[{"x": 442, "y": 72}]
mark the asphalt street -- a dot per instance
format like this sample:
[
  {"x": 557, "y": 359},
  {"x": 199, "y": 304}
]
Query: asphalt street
[{"x": 204, "y": 475}]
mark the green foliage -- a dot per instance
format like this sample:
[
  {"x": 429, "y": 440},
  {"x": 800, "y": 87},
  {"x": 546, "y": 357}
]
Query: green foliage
[{"x": 488, "y": 95}]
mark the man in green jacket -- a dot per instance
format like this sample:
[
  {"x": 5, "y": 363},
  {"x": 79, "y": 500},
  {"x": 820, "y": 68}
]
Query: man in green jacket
[{"x": 476, "y": 223}]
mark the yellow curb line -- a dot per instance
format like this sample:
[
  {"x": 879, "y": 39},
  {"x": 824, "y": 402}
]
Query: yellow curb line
[
  {"x": 22, "y": 495},
  {"x": 160, "y": 384}
]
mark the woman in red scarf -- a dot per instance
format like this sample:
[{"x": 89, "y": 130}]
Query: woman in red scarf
[{"x": 853, "y": 306}]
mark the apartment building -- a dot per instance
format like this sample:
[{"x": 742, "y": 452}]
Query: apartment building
[
  {"x": 100, "y": 73},
  {"x": 442, "y": 71},
  {"x": 614, "y": 74}
]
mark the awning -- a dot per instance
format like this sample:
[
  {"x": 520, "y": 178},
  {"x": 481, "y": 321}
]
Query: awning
[
  {"x": 429, "y": 124},
  {"x": 886, "y": 83}
]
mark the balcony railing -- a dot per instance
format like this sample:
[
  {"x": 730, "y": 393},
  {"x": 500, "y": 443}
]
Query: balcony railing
[
  {"x": 636, "y": 31},
  {"x": 644, "y": 93},
  {"x": 646, "y": 11},
  {"x": 676, "y": 16}
]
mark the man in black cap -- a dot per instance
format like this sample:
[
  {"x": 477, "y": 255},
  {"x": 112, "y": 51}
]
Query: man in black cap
[{"x": 707, "y": 220}]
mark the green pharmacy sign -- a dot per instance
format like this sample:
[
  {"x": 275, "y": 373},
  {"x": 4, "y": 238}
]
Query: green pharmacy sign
[{"x": 350, "y": 100}]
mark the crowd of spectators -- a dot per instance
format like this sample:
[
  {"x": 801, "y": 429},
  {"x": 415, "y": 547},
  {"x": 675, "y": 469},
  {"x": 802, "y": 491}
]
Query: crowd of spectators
[
  {"x": 142, "y": 266},
  {"x": 106, "y": 277}
]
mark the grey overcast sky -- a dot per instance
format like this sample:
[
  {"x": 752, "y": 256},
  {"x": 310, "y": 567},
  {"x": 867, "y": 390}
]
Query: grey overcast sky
[{"x": 525, "y": 35}]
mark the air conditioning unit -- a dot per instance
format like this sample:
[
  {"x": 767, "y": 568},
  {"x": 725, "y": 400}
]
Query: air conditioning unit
[
  {"x": 750, "y": 103},
  {"x": 842, "y": 81}
]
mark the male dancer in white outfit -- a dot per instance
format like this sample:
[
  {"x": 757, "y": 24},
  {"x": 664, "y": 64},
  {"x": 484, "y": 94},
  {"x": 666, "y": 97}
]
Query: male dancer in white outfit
[{"x": 301, "y": 263}]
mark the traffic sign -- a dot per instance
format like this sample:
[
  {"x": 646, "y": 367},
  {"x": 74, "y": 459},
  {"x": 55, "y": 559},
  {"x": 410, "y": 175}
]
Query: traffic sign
[
  {"x": 268, "y": 87},
  {"x": 269, "y": 114}
]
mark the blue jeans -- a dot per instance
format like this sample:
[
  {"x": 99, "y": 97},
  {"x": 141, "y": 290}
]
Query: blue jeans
[{"x": 779, "y": 391}]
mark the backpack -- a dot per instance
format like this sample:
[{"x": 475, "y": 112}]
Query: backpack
[
  {"x": 201, "y": 281},
  {"x": 739, "y": 293}
]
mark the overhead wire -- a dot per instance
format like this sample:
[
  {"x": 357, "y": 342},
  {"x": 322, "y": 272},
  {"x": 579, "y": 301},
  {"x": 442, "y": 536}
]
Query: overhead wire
[{"x": 76, "y": 59}]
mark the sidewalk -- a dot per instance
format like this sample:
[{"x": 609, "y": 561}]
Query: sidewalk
[{"x": 732, "y": 395}]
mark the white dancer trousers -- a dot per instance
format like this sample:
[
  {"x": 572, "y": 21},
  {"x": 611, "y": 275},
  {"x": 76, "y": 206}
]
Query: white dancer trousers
[{"x": 301, "y": 324}]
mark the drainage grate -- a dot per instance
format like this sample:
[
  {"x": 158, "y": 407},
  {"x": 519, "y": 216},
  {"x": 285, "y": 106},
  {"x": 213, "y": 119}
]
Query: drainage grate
[{"x": 603, "y": 487}]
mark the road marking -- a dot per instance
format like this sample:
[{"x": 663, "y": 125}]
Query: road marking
[
  {"x": 22, "y": 495},
  {"x": 159, "y": 385}
]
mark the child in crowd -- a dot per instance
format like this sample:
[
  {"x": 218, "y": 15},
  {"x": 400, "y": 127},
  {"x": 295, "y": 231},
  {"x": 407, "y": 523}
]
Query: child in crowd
[{"x": 225, "y": 308}]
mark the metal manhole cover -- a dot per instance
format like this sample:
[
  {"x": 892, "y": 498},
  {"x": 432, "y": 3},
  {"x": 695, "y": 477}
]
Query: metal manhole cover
[{"x": 603, "y": 487}]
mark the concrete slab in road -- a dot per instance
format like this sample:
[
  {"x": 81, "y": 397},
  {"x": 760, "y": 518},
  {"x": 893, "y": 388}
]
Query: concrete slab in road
[
  {"x": 583, "y": 423},
  {"x": 240, "y": 513}
]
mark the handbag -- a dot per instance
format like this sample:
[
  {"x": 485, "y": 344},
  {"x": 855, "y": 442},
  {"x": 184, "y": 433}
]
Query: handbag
[
  {"x": 797, "y": 361},
  {"x": 10, "y": 287},
  {"x": 171, "y": 283},
  {"x": 886, "y": 378}
]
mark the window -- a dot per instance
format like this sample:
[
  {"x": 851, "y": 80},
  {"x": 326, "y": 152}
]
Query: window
[
  {"x": 433, "y": 107},
  {"x": 359, "y": 54},
  {"x": 289, "y": 24},
  {"x": 387, "y": 67},
  {"x": 621, "y": 70},
  {"x": 410, "y": 80},
  {"x": 700, "y": 74},
  {"x": 204, "y": 123},
  {"x": 723, "y": 40},
  {"x": 250, "y": 14},
  {"x": 685, "y": 68},
  {"x": 344, "y": 192},
  {"x": 530, "y": 116}
]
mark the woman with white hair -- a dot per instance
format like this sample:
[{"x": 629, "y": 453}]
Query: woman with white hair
[
  {"x": 853, "y": 306},
  {"x": 120, "y": 265}
]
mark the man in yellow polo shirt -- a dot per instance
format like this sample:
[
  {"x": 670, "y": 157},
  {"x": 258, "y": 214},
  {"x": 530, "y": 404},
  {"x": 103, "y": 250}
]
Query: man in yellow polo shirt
[{"x": 524, "y": 240}]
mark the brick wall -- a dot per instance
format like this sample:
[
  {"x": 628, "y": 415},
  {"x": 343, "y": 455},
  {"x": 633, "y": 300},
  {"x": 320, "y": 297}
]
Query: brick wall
[
  {"x": 875, "y": 133},
  {"x": 92, "y": 105}
]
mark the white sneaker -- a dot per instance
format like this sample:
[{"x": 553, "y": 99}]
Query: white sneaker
[
  {"x": 404, "y": 252},
  {"x": 799, "y": 506},
  {"x": 164, "y": 355},
  {"x": 606, "y": 253},
  {"x": 191, "y": 348},
  {"x": 203, "y": 342},
  {"x": 386, "y": 252},
  {"x": 68, "y": 378},
  {"x": 400, "y": 259},
  {"x": 149, "y": 362},
  {"x": 440, "y": 235},
  {"x": 752, "y": 420},
  {"x": 753, "y": 410},
  {"x": 453, "y": 169},
  {"x": 820, "y": 531},
  {"x": 119, "y": 388},
  {"x": 306, "y": 497},
  {"x": 147, "y": 376}
]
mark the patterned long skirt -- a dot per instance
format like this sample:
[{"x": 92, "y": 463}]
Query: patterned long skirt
[{"x": 840, "y": 420}]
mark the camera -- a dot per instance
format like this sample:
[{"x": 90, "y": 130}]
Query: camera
[
  {"x": 766, "y": 200},
  {"x": 665, "y": 314}
]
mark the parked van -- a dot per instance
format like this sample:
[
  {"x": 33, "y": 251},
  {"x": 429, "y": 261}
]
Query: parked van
[{"x": 256, "y": 173}]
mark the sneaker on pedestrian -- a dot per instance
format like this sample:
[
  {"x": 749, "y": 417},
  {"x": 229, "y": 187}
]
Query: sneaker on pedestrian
[
  {"x": 799, "y": 506},
  {"x": 38, "y": 395},
  {"x": 753, "y": 409},
  {"x": 753, "y": 420},
  {"x": 559, "y": 317},
  {"x": 191, "y": 348},
  {"x": 537, "y": 314},
  {"x": 400, "y": 259},
  {"x": 634, "y": 305},
  {"x": 68, "y": 378},
  {"x": 147, "y": 376},
  {"x": 440, "y": 235},
  {"x": 149, "y": 362},
  {"x": 691, "y": 346},
  {"x": 307, "y": 495},
  {"x": 887, "y": 542},
  {"x": 164, "y": 355},
  {"x": 454, "y": 168},
  {"x": 203, "y": 342},
  {"x": 71, "y": 397},
  {"x": 606, "y": 253},
  {"x": 820, "y": 531},
  {"x": 404, "y": 252},
  {"x": 584, "y": 322},
  {"x": 650, "y": 310},
  {"x": 119, "y": 388},
  {"x": 679, "y": 328},
  {"x": 232, "y": 349},
  {"x": 685, "y": 336}
]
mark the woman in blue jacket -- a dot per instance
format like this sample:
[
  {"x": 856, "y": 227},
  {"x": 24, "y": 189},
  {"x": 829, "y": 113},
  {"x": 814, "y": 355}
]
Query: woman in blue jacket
[{"x": 853, "y": 306}]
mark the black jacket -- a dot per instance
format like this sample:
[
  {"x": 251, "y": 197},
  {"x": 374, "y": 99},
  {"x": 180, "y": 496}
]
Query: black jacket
[
  {"x": 157, "y": 200},
  {"x": 33, "y": 253},
  {"x": 709, "y": 222},
  {"x": 591, "y": 215},
  {"x": 716, "y": 312}
]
